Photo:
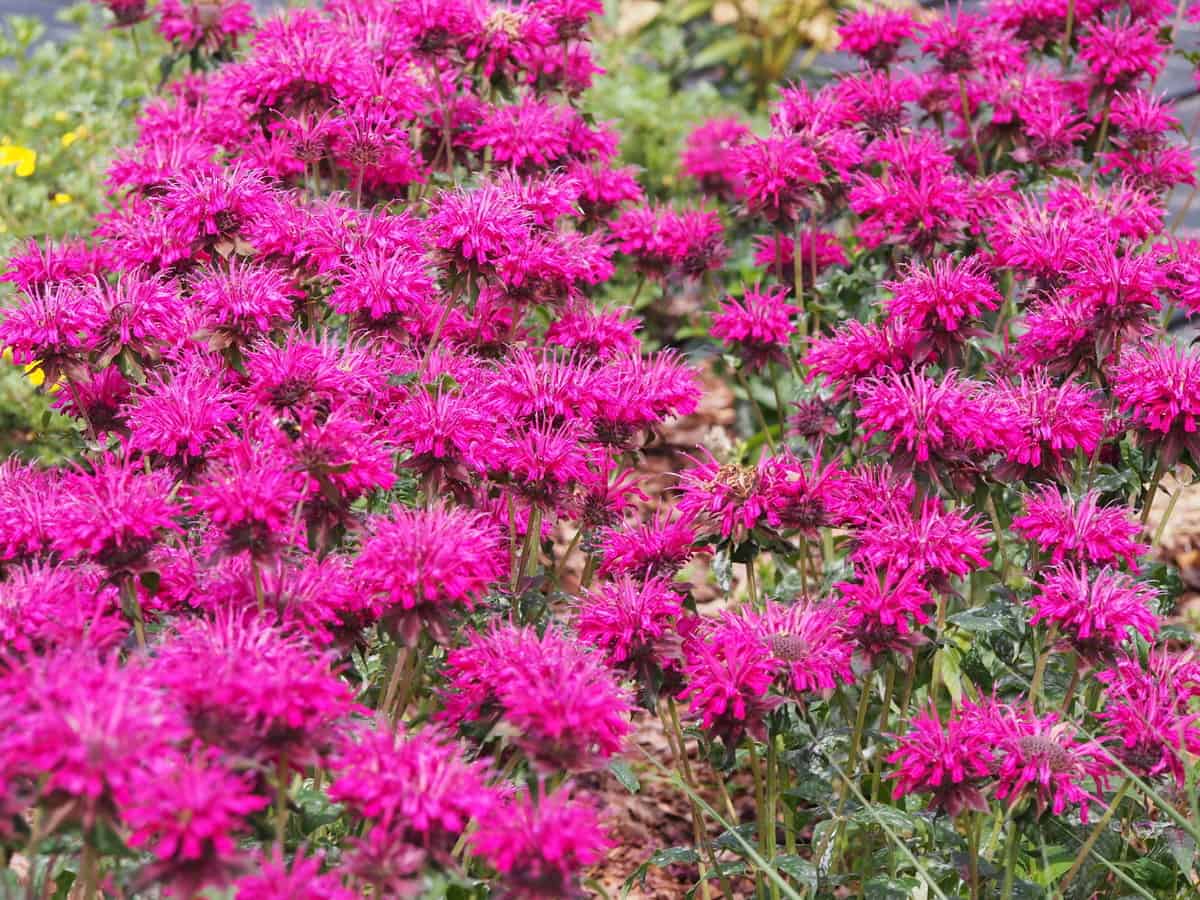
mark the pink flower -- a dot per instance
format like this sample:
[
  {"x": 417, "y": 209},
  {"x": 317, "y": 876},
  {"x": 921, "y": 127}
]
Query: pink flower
[
  {"x": 938, "y": 543},
  {"x": 80, "y": 728},
  {"x": 54, "y": 328},
  {"x": 114, "y": 514},
  {"x": 273, "y": 879},
  {"x": 209, "y": 24},
  {"x": 777, "y": 176},
  {"x": 731, "y": 495},
  {"x": 728, "y": 678},
  {"x": 1080, "y": 530},
  {"x": 629, "y": 619},
  {"x": 475, "y": 230},
  {"x": 188, "y": 812},
  {"x": 417, "y": 565},
  {"x": 1158, "y": 385},
  {"x": 560, "y": 701},
  {"x": 807, "y": 640},
  {"x": 249, "y": 687},
  {"x": 1122, "y": 53},
  {"x": 1049, "y": 423},
  {"x": 876, "y": 34},
  {"x": 759, "y": 326},
  {"x": 926, "y": 420},
  {"x": 949, "y": 760},
  {"x": 883, "y": 608},
  {"x": 709, "y": 154},
  {"x": 854, "y": 351},
  {"x": 180, "y": 417},
  {"x": 1044, "y": 756},
  {"x": 418, "y": 786},
  {"x": 660, "y": 547},
  {"x": 542, "y": 848},
  {"x": 250, "y": 494},
  {"x": 944, "y": 297},
  {"x": 1096, "y": 610},
  {"x": 44, "y": 609},
  {"x": 1147, "y": 710},
  {"x": 239, "y": 303}
]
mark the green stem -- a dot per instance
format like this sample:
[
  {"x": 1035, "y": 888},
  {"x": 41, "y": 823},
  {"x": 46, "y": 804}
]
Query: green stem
[
  {"x": 1094, "y": 835},
  {"x": 1166, "y": 516},
  {"x": 282, "y": 779},
  {"x": 89, "y": 866},
  {"x": 935, "y": 678},
  {"x": 1152, "y": 488},
  {"x": 969, "y": 122},
  {"x": 1010, "y": 860},
  {"x": 877, "y": 763},
  {"x": 1039, "y": 668},
  {"x": 752, "y": 584},
  {"x": 758, "y": 413}
]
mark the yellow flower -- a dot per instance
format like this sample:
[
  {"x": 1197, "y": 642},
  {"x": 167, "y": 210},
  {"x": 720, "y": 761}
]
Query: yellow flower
[
  {"x": 60, "y": 199},
  {"x": 72, "y": 136},
  {"x": 60, "y": 116},
  {"x": 33, "y": 371},
  {"x": 22, "y": 158}
]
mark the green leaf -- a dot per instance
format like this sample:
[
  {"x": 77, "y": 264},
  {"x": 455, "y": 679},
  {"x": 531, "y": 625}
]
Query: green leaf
[
  {"x": 673, "y": 856},
  {"x": 983, "y": 619},
  {"x": 726, "y": 50},
  {"x": 622, "y": 771}
]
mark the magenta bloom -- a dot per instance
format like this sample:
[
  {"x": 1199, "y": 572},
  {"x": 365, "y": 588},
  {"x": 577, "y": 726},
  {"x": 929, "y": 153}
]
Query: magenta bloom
[
  {"x": 417, "y": 565},
  {"x": 242, "y": 302},
  {"x": 249, "y": 687},
  {"x": 628, "y": 620},
  {"x": 937, "y": 542},
  {"x": 759, "y": 326},
  {"x": 709, "y": 154},
  {"x": 1095, "y": 610},
  {"x": 1048, "y": 424},
  {"x": 728, "y": 679},
  {"x": 417, "y": 786},
  {"x": 1044, "y": 757},
  {"x": 542, "y": 848},
  {"x": 876, "y": 34},
  {"x": 250, "y": 494},
  {"x": 1158, "y": 385},
  {"x": 477, "y": 229},
  {"x": 942, "y": 298},
  {"x": 854, "y": 352},
  {"x": 1080, "y": 531},
  {"x": 80, "y": 729},
  {"x": 949, "y": 760},
  {"x": 1122, "y": 53},
  {"x": 1147, "y": 710},
  {"x": 660, "y": 547},
  {"x": 807, "y": 641},
  {"x": 180, "y": 417},
  {"x": 777, "y": 176},
  {"x": 113, "y": 515},
  {"x": 189, "y": 812},
  {"x": 48, "y": 608},
  {"x": 926, "y": 420},
  {"x": 54, "y": 328},
  {"x": 208, "y": 25},
  {"x": 883, "y": 608},
  {"x": 731, "y": 495},
  {"x": 273, "y": 879},
  {"x": 561, "y": 702}
]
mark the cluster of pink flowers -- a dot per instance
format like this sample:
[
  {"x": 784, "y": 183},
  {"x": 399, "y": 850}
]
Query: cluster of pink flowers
[{"x": 353, "y": 402}]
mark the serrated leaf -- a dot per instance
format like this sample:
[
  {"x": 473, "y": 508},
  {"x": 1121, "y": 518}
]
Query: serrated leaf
[
  {"x": 622, "y": 771},
  {"x": 673, "y": 856},
  {"x": 983, "y": 619}
]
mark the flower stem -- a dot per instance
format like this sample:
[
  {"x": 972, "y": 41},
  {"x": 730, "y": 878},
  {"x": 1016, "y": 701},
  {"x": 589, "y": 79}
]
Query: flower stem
[
  {"x": 282, "y": 777},
  {"x": 1095, "y": 835},
  {"x": 758, "y": 413},
  {"x": 89, "y": 871},
  {"x": 1010, "y": 860}
]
